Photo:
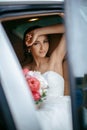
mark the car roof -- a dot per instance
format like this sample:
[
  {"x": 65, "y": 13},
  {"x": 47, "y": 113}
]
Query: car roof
[
  {"x": 28, "y": 1},
  {"x": 10, "y": 8}
]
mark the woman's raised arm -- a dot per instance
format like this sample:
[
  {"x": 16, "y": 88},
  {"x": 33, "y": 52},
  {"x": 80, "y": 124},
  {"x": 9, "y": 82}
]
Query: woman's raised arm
[
  {"x": 60, "y": 50},
  {"x": 53, "y": 29},
  {"x": 58, "y": 28}
]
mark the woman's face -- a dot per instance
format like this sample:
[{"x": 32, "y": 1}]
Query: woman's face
[{"x": 40, "y": 46}]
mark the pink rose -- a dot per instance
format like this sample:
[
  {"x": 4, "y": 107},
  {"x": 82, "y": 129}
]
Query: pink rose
[
  {"x": 25, "y": 71},
  {"x": 34, "y": 84},
  {"x": 36, "y": 96}
]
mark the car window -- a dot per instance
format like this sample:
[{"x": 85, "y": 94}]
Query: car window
[
  {"x": 12, "y": 58},
  {"x": 15, "y": 30}
]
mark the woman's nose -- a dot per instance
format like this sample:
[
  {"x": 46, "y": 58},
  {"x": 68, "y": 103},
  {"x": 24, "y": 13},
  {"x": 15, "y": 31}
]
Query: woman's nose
[{"x": 42, "y": 46}]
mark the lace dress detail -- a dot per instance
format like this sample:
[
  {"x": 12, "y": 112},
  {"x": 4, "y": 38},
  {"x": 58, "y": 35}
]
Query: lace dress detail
[{"x": 55, "y": 82}]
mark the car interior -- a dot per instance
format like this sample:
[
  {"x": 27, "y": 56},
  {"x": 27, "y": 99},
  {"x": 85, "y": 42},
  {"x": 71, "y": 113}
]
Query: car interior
[{"x": 15, "y": 30}]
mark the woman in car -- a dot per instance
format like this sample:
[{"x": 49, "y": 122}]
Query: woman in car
[{"x": 55, "y": 112}]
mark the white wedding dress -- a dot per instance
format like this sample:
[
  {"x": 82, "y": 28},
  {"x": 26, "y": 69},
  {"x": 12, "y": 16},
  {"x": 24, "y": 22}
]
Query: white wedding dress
[{"x": 55, "y": 112}]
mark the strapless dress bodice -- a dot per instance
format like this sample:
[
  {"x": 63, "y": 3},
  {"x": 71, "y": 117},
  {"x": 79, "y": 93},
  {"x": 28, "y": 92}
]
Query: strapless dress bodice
[
  {"x": 55, "y": 83},
  {"x": 55, "y": 111}
]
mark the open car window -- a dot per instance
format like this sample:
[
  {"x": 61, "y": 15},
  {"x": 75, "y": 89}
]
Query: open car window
[
  {"x": 15, "y": 30},
  {"x": 20, "y": 112}
]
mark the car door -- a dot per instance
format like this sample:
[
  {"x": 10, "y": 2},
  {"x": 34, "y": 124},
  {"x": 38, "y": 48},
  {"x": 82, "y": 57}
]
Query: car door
[
  {"x": 16, "y": 103},
  {"x": 76, "y": 25}
]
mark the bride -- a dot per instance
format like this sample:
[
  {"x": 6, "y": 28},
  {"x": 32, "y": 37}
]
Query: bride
[{"x": 55, "y": 112}]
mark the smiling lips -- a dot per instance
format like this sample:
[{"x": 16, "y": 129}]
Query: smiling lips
[{"x": 42, "y": 52}]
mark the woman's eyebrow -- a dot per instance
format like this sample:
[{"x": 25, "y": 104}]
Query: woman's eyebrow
[
  {"x": 46, "y": 39},
  {"x": 36, "y": 41}
]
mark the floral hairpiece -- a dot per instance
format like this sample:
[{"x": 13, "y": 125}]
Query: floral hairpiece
[{"x": 28, "y": 39}]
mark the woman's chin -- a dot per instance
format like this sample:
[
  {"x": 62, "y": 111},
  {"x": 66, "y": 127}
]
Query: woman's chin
[{"x": 42, "y": 55}]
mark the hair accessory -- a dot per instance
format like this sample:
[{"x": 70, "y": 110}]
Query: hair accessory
[{"x": 28, "y": 39}]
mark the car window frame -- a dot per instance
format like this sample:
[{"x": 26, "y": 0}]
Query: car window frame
[{"x": 17, "y": 109}]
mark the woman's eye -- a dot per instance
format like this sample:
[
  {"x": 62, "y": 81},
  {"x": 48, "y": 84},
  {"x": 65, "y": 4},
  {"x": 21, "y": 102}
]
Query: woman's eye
[
  {"x": 36, "y": 43},
  {"x": 45, "y": 41}
]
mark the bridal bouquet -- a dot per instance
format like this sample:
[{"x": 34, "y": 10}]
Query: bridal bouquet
[{"x": 37, "y": 85}]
